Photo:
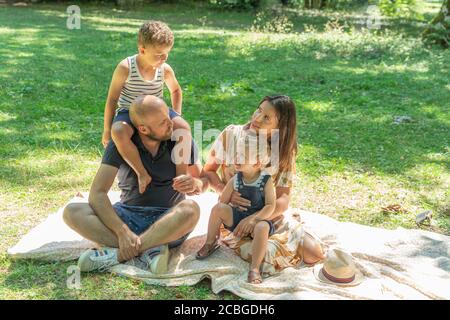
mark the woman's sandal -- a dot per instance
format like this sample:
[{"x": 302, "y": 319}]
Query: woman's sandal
[
  {"x": 207, "y": 250},
  {"x": 254, "y": 277}
]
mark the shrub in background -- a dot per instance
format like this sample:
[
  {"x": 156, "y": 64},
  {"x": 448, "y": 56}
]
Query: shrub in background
[
  {"x": 236, "y": 4},
  {"x": 400, "y": 8}
]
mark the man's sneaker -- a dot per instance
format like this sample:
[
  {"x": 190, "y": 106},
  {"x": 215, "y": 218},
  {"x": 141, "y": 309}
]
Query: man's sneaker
[
  {"x": 157, "y": 259},
  {"x": 98, "y": 259}
]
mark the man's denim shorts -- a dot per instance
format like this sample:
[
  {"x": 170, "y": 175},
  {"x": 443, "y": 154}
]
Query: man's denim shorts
[{"x": 139, "y": 219}]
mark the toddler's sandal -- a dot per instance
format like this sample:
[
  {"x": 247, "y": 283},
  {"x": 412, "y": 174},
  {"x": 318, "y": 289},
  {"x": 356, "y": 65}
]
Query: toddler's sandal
[
  {"x": 207, "y": 250},
  {"x": 254, "y": 277}
]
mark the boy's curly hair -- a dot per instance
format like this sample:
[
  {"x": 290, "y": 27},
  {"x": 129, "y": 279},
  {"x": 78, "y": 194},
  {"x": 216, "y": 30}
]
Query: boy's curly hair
[{"x": 155, "y": 33}]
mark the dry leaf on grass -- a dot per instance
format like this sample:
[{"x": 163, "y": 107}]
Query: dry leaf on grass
[
  {"x": 394, "y": 208},
  {"x": 179, "y": 295}
]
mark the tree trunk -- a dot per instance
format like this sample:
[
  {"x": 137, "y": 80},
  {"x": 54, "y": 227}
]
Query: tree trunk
[
  {"x": 129, "y": 3},
  {"x": 317, "y": 4},
  {"x": 439, "y": 29}
]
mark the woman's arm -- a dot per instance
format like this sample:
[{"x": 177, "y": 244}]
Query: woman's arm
[
  {"x": 212, "y": 165},
  {"x": 197, "y": 172},
  {"x": 214, "y": 180},
  {"x": 282, "y": 202}
]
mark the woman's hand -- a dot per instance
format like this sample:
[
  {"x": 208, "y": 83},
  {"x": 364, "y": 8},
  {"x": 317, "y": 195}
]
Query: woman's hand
[
  {"x": 239, "y": 202},
  {"x": 245, "y": 227}
]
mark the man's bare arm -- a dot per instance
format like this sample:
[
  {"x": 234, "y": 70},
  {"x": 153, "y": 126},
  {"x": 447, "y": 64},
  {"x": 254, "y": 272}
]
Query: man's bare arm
[{"x": 99, "y": 201}]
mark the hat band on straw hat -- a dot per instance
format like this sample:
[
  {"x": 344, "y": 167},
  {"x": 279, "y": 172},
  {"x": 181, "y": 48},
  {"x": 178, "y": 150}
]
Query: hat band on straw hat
[{"x": 338, "y": 280}]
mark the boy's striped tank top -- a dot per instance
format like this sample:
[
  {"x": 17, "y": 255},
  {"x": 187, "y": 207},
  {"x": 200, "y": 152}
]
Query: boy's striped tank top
[{"x": 136, "y": 85}]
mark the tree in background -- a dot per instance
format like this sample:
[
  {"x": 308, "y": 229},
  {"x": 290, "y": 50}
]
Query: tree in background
[
  {"x": 129, "y": 3},
  {"x": 317, "y": 4},
  {"x": 439, "y": 29},
  {"x": 400, "y": 8}
]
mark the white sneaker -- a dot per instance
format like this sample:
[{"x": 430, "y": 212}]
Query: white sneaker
[
  {"x": 157, "y": 262},
  {"x": 98, "y": 259}
]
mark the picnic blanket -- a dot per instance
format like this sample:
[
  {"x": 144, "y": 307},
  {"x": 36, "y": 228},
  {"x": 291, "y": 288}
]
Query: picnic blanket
[{"x": 396, "y": 264}]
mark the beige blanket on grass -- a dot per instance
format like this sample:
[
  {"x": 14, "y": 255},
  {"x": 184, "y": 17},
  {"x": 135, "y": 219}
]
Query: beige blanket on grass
[{"x": 397, "y": 264}]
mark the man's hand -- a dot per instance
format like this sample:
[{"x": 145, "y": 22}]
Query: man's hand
[
  {"x": 239, "y": 202},
  {"x": 106, "y": 137},
  {"x": 245, "y": 227},
  {"x": 187, "y": 184},
  {"x": 129, "y": 244}
]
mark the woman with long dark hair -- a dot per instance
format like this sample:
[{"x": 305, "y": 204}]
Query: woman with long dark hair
[{"x": 275, "y": 117}]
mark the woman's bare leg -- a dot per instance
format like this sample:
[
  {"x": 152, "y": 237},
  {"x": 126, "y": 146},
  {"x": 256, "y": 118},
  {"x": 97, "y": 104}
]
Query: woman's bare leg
[{"x": 312, "y": 250}]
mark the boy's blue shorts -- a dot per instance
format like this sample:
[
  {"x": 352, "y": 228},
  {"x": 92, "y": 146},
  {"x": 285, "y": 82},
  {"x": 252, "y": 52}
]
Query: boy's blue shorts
[
  {"x": 140, "y": 219},
  {"x": 124, "y": 115}
]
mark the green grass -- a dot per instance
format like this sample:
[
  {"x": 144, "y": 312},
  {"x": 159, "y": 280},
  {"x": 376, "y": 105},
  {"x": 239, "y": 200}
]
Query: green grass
[{"x": 348, "y": 86}]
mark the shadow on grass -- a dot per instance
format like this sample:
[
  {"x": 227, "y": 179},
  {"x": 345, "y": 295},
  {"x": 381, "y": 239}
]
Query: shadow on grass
[
  {"x": 56, "y": 98},
  {"x": 347, "y": 94},
  {"x": 43, "y": 280},
  {"x": 55, "y": 82},
  {"x": 437, "y": 250}
]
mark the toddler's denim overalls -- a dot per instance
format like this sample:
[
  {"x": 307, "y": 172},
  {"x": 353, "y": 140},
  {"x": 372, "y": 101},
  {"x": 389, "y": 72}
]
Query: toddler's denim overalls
[{"x": 255, "y": 194}]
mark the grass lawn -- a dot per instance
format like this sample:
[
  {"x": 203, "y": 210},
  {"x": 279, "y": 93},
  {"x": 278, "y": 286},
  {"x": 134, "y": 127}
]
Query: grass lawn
[{"x": 348, "y": 84}]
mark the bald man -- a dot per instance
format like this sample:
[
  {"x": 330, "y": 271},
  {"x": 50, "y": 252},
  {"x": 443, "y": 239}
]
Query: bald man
[{"x": 143, "y": 225}]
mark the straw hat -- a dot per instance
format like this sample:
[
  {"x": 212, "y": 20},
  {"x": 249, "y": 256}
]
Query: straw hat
[{"x": 338, "y": 268}]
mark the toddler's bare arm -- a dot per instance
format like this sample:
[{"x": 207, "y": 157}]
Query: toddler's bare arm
[
  {"x": 225, "y": 196},
  {"x": 270, "y": 198}
]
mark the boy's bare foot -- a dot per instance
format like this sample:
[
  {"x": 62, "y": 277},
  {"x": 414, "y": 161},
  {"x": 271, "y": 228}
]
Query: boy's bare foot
[
  {"x": 254, "y": 277},
  {"x": 144, "y": 181}
]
